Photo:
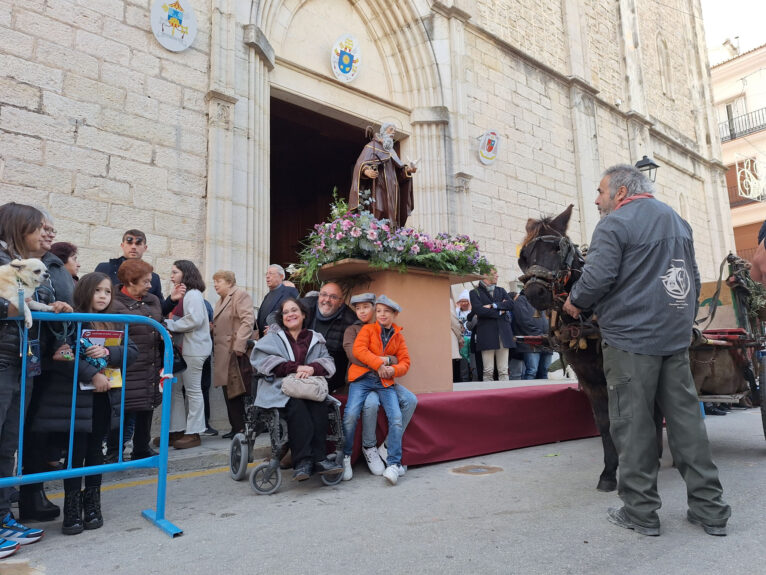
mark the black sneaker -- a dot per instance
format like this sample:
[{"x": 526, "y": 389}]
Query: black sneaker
[
  {"x": 303, "y": 471},
  {"x": 717, "y": 530},
  {"x": 620, "y": 518},
  {"x": 210, "y": 432},
  {"x": 327, "y": 466}
]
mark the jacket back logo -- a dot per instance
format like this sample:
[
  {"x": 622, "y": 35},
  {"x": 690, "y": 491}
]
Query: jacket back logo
[{"x": 676, "y": 280}]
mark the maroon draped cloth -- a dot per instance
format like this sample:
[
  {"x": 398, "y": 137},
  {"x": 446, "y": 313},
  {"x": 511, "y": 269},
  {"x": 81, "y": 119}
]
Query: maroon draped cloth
[{"x": 459, "y": 424}]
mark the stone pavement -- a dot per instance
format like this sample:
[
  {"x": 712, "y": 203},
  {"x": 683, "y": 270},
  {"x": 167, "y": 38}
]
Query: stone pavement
[{"x": 538, "y": 513}]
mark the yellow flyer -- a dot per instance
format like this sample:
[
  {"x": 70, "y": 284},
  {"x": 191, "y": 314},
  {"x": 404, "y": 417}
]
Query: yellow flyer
[{"x": 106, "y": 338}]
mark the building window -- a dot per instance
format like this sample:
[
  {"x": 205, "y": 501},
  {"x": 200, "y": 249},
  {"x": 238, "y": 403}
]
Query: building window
[{"x": 663, "y": 55}]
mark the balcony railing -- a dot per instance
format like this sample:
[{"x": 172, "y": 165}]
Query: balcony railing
[
  {"x": 735, "y": 200},
  {"x": 742, "y": 125}
]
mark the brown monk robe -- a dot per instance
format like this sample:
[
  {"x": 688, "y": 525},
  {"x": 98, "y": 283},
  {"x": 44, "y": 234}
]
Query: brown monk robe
[{"x": 380, "y": 170}]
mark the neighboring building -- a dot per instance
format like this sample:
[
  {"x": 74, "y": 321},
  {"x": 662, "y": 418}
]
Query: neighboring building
[
  {"x": 739, "y": 92},
  {"x": 227, "y": 153}
]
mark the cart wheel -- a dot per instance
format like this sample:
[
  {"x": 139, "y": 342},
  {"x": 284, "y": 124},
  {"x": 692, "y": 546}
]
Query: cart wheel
[
  {"x": 239, "y": 454},
  {"x": 265, "y": 480},
  {"x": 332, "y": 478}
]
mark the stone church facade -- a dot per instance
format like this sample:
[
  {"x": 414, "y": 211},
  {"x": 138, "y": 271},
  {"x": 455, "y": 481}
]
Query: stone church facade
[{"x": 108, "y": 130}]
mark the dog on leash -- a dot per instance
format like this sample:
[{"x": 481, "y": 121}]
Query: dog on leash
[{"x": 24, "y": 275}]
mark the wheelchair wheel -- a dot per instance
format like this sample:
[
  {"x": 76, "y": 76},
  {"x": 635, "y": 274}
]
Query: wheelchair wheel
[
  {"x": 332, "y": 479},
  {"x": 239, "y": 455},
  {"x": 264, "y": 479}
]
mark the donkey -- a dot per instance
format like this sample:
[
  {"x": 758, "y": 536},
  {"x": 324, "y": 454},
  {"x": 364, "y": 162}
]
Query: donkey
[{"x": 552, "y": 264}]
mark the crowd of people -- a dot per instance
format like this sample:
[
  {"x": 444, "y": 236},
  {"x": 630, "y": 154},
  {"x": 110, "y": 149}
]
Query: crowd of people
[
  {"x": 498, "y": 335},
  {"x": 307, "y": 347},
  {"x": 316, "y": 336}
]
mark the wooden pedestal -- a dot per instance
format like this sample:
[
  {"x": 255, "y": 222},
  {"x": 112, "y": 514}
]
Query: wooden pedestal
[{"x": 424, "y": 297}]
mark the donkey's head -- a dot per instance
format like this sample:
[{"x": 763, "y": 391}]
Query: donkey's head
[{"x": 548, "y": 258}]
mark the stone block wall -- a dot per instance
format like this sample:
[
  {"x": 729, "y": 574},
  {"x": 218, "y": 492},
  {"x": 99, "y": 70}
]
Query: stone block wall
[
  {"x": 103, "y": 127},
  {"x": 533, "y": 174}
]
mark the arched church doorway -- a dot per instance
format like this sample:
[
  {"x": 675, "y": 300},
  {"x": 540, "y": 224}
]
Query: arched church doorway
[{"x": 310, "y": 155}]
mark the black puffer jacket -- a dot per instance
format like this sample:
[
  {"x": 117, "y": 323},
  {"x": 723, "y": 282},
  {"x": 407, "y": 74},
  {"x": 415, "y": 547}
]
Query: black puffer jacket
[
  {"x": 10, "y": 334},
  {"x": 143, "y": 377},
  {"x": 54, "y": 392},
  {"x": 333, "y": 332},
  {"x": 525, "y": 323}
]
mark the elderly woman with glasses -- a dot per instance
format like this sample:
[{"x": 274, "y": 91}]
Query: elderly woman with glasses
[{"x": 290, "y": 348}]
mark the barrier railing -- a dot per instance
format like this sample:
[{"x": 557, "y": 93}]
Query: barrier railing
[{"x": 159, "y": 461}]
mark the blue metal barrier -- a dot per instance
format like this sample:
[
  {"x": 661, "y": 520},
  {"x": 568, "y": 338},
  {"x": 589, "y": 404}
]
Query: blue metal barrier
[{"x": 159, "y": 461}]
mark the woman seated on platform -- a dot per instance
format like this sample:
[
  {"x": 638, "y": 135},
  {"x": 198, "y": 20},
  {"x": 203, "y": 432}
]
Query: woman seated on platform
[{"x": 290, "y": 348}]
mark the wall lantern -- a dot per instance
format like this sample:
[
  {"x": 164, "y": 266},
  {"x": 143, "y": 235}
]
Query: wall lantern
[{"x": 648, "y": 166}]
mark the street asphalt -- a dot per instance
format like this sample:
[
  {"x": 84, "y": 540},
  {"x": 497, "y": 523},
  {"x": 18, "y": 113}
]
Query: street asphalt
[{"x": 538, "y": 513}]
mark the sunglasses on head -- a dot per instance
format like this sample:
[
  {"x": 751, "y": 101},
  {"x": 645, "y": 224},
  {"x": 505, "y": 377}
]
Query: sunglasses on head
[{"x": 131, "y": 240}]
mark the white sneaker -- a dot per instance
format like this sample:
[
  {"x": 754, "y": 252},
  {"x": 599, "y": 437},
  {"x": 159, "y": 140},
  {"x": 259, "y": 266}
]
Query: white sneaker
[
  {"x": 373, "y": 460},
  {"x": 401, "y": 469},
  {"x": 391, "y": 474},
  {"x": 347, "y": 472},
  {"x": 383, "y": 452}
]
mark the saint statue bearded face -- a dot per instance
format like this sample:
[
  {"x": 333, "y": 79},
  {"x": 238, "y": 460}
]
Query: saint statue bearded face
[{"x": 386, "y": 136}]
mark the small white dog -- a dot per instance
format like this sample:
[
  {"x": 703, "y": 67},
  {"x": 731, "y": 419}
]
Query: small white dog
[{"x": 23, "y": 275}]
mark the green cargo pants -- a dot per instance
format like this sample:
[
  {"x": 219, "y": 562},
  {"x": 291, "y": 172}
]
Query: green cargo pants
[{"x": 634, "y": 383}]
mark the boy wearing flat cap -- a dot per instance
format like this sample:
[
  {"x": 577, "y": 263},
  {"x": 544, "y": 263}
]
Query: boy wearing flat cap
[
  {"x": 374, "y": 371},
  {"x": 364, "y": 306}
]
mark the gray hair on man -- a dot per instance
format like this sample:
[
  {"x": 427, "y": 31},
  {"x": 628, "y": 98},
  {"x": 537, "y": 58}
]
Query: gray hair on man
[
  {"x": 279, "y": 269},
  {"x": 46, "y": 214},
  {"x": 630, "y": 177}
]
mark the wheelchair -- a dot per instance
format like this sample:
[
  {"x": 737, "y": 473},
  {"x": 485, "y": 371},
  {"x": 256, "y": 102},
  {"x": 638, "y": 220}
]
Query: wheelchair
[{"x": 266, "y": 477}]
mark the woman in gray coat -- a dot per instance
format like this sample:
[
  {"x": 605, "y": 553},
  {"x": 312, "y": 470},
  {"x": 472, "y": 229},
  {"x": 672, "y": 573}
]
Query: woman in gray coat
[{"x": 293, "y": 349}]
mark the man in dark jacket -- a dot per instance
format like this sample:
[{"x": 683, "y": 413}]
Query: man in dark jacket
[
  {"x": 328, "y": 315},
  {"x": 528, "y": 321},
  {"x": 494, "y": 334},
  {"x": 641, "y": 279},
  {"x": 134, "y": 246},
  {"x": 278, "y": 292}
]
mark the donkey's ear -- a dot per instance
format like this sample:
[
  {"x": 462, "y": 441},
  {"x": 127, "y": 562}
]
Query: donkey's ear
[{"x": 560, "y": 222}]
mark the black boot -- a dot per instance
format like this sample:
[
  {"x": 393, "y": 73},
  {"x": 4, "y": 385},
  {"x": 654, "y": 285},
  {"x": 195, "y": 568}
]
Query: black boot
[
  {"x": 35, "y": 506},
  {"x": 72, "y": 524},
  {"x": 91, "y": 502}
]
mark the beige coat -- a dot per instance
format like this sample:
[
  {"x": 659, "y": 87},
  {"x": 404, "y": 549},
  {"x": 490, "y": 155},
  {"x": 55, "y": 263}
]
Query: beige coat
[{"x": 233, "y": 321}]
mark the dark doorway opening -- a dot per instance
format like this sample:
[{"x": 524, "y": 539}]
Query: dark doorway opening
[{"x": 310, "y": 155}]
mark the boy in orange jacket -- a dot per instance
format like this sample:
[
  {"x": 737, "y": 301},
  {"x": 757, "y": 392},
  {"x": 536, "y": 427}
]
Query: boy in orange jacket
[{"x": 373, "y": 345}]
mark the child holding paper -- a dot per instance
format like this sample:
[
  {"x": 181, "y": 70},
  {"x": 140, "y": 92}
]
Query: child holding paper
[{"x": 97, "y": 408}]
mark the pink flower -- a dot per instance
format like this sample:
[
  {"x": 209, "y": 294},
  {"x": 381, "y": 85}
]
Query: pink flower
[
  {"x": 373, "y": 225},
  {"x": 355, "y": 232},
  {"x": 460, "y": 247},
  {"x": 371, "y": 235},
  {"x": 379, "y": 244},
  {"x": 339, "y": 236},
  {"x": 347, "y": 224},
  {"x": 415, "y": 250},
  {"x": 386, "y": 228}
]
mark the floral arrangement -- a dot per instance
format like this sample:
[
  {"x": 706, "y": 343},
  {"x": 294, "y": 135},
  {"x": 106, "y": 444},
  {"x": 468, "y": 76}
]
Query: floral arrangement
[{"x": 359, "y": 234}]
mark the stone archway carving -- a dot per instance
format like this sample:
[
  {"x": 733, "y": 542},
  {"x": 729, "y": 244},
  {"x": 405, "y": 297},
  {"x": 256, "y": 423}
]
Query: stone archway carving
[{"x": 413, "y": 73}]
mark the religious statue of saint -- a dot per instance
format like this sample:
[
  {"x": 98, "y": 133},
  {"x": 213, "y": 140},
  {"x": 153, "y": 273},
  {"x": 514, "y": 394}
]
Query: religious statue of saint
[{"x": 388, "y": 179}]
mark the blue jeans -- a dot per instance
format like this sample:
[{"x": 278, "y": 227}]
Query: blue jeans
[
  {"x": 408, "y": 401},
  {"x": 536, "y": 364},
  {"x": 358, "y": 390}
]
